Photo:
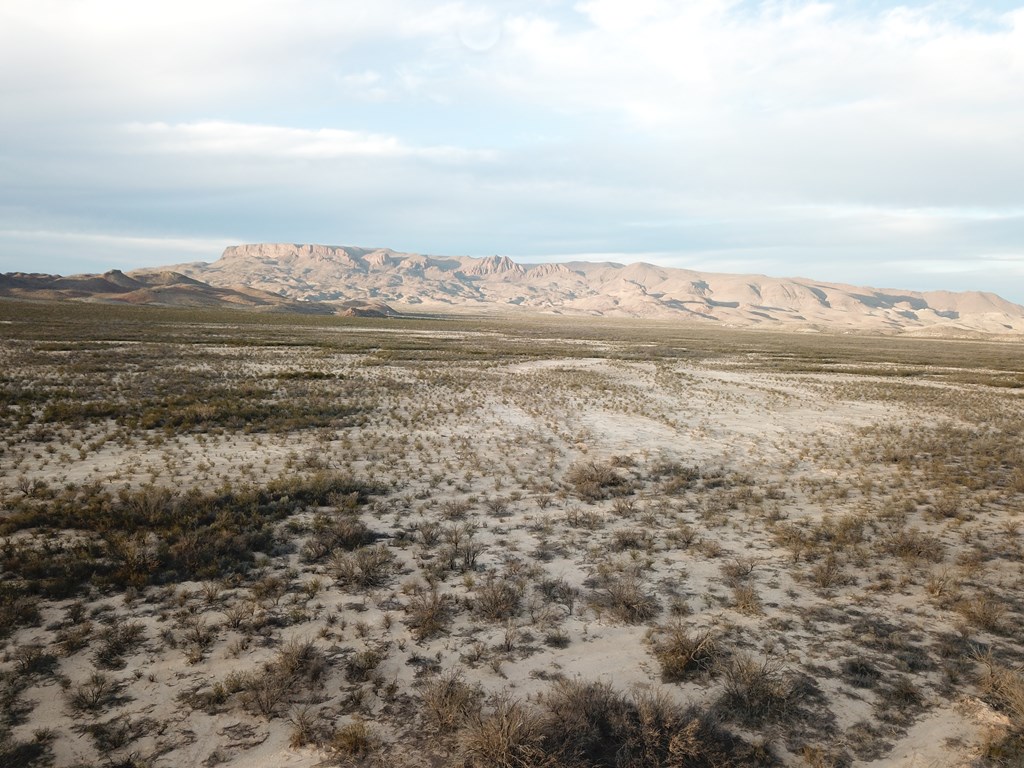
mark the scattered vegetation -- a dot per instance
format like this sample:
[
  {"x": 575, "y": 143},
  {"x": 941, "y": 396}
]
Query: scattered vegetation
[{"x": 410, "y": 537}]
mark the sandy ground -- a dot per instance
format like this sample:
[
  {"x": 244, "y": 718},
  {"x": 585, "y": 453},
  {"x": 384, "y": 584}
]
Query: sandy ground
[{"x": 782, "y": 446}]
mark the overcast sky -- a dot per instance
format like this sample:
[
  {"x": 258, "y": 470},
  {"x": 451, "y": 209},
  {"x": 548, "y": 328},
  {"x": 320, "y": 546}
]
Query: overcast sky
[{"x": 864, "y": 142}]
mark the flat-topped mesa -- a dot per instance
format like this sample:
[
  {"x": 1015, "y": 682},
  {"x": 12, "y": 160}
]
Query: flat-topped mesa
[{"x": 292, "y": 252}]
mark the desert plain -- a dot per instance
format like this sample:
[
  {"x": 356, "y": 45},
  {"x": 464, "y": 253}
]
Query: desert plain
[{"x": 243, "y": 539}]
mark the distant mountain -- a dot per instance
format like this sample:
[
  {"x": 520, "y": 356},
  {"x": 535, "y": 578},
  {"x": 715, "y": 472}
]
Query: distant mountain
[
  {"x": 161, "y": 287},
  {"x": 337, "y": 274}
]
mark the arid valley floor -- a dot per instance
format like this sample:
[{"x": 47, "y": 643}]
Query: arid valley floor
[{"x": 238, "y": 539}]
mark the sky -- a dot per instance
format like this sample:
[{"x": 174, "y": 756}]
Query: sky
[{"x": 871, "y": 143}]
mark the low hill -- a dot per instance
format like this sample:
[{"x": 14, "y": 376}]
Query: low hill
[{"x": 162, "y": 287}]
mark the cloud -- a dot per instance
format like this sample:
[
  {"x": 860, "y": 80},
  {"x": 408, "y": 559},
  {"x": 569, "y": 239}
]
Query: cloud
[
  {"x": 99, "y": 252},
  {"x": 793, "y": 137},
  {"x": 216, "y": 137}
]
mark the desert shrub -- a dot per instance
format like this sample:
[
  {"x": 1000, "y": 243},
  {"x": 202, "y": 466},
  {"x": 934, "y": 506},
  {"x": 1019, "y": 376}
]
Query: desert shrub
[
  {"x": 345, "y": 533},
  {"x": 265, "y": 692},
  {"x": 36, "y": 753},
  {"x": 584, "y": 518},
  {"x": 360, "y": 665},
  {"x": 593, "y": 481},
  {"x": 631, "y": 538},
  {"x": 1003, "y": 748},
  {"x": 117, "y": 733},
  {"x": 682, "y": 654},
  {"x": 449, "y": 701},
  {"x": 239, "y": 614},
  {"x": 461, "y": 551},
  {"x": 356, "y": 740},
  {"x": 623, "y": 596},
  {"x": 299, "y": 665},
  {"x": 624, "y": 507},
  {"x": 307, "y": 728},
  {"x": 117, "y": 640},
  {"x": 153, "y": 534},
  {"x": 589, "y": 725},
  {"x": 95, "y": 694},
  {"x": 428, "y": 533},
  {"x": 682, "y": 536},
  {"x": 913, "y": 544},
  {"x": 558, "y": 590},
  {"x": 454, "y": 509},
  {"x": 197, "y": 637},
  {"x": 557, "y": 638},
  {"x": 428, "y": 613},
  {"x": 13, "y": 709},
  {"x": 985, "y": 611},
  {"x": 72, "y": 639},
  {"x": 860, "y": 672},
  {"x": 755, "y": 691},
  {"x": 648, "y": 729},
  {"x": 497, "y": 506},
  {"x": 366, "y": 567},
  {"x": 322, "y": 488},
  {"x": 497, "y": 600},
  {"x": 134, "y": 557},
  {"x": 16, "y": 608},
  {"x": 1003, "y": 687},
  {"x": 711, "y": 548},
  {"x": 738, "y": 570},
  {"x": 585, "y": 716},
  {"x": 745, "y": 599},
  {"x": 509, "y": 735},
  {"x": 829, "y": 572},
  {"x": 673, "y": 476},
  {"x": 33, "y": 659},
  {"x": 301, "y": 660},
  {"x": 946, "y": 504}
]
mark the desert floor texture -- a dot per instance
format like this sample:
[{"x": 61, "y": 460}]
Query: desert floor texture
[{"x": 260, "y": 540}]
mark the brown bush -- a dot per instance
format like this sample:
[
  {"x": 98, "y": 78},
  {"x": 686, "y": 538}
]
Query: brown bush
[
  {"x": 624, "y": 597},
  {"x": 594, "y": 481},
  {"x": 682, "y": 654}
]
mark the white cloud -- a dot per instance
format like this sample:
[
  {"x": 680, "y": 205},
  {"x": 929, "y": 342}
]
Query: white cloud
[
  {"x": 216, "y": 137},
  {"x": 787, "y": 134},
  {"x": 190, "y": 244},
  {"x": 66, "y": 250}
]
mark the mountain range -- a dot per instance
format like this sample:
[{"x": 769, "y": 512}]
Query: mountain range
[
  {"x": 419, "y": 283},
  {"x": 327, "y": 279}
]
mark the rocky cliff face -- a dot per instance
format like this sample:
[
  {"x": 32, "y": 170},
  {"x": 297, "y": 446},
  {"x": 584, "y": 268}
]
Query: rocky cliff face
[{"x": 497, "y": 283}]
